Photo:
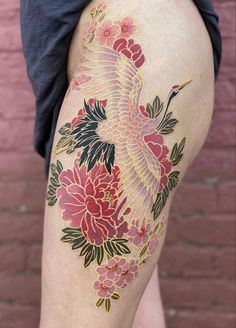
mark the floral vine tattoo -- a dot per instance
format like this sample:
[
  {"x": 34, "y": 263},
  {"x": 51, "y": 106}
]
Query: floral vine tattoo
[{"x": 123, "y": 171}]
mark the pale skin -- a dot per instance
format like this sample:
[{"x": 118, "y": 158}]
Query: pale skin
[{"x": 174, "y": 54}]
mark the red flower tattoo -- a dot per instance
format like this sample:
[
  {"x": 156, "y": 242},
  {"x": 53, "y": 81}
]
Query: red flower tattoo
[{"x": 90, "y": 202}]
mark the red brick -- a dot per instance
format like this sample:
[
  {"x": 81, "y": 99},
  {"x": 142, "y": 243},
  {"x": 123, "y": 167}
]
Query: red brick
[
  {"x": 18, "y": 316},
  {"x": 227, "y": 199},
  {"x": 29, "y": 194},
  {"x": 13, "y": 69},
  {"x": 21, "y": 288},
  {"x": 226, "y": 11},
  {"x": 17, "y": 135},
  {"x": 213, "y": 163},
  {"x": 17, "y": 104},
  {"x": 194, "y": 198},
  {"x": 9, "y": 9},
  {"x": 225, "y": 93},
  {"x": 228, "y": 55},
  {"x": 222, "y": 132},
  {"x": 186, "y": 319},
  {"x": 21, "y": 166},
  {"x": 10, "y": 39},
  {"x": 188, "y": 261},
  {"x": 34, "y": 257},
  {"x": 26, "y": 228},
  {"x": 13, "y": 258},
  {"x": 199, "y": 294},
  {"x": 224, "y": 261},
  {"x": 182, "y": 261},
  {"x": 212, "y": 230}
]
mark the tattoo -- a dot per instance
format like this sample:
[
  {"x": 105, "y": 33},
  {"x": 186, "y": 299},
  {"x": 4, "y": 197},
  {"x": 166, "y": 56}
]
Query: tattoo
[{"x": 123, "y": 172}]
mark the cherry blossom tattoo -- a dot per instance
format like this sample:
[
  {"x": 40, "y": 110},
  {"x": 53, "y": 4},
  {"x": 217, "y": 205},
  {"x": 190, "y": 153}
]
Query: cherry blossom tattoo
[{"x": 123, "y": 172}]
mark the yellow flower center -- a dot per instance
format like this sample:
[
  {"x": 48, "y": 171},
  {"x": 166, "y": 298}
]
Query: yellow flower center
[{"x": 108, "y": 197}]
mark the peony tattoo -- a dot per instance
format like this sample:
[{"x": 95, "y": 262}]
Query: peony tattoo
[{"x": 113, "y": 196}]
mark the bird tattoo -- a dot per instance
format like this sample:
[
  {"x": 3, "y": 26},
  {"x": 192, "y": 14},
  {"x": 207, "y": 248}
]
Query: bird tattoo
[{"x": 112, "y": 76}]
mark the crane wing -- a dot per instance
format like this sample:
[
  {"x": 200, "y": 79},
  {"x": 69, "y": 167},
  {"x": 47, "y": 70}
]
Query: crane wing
[
  {"x": 140, "y": 176},
  {"x": 114, "y": 77}
]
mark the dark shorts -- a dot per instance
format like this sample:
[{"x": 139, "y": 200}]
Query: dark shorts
[{"x": 47, "y": 28}]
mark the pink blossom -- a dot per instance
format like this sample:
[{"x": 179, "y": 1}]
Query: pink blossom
[
  {"x": 107, "y": 33},
  {"x": 127, "y": 27},
  {"x": 118, "y": 272},
  {"x": 112, "y": 269},
  {"x": 104, "y": 287},
  {"x": 139, "y": 235},
  {"x": 129, "y": 272},
  {"x": 89, "y": 28}
]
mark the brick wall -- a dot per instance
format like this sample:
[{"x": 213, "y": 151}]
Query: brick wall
[{"x": 197, "y": 264}]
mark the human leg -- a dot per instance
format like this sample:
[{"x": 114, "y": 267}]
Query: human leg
[{"x": 119, "y": 155}]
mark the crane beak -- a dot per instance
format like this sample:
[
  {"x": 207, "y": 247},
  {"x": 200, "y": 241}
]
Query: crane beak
[{"x": 184, "y": 84}]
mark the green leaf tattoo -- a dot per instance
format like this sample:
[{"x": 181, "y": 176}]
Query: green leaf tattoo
[
  {"x": 56, "y": 169},
  {"x": 177, "y": 152},
  {"x": 90, "y": 252}
]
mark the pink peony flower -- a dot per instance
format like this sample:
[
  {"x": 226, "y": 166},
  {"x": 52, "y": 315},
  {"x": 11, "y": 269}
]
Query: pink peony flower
[
  {"x": 90, "y": 202},
  {"x": 78, "y": 118},
  {"x": 107, "y": 33},
  {"x": 104, "y": 287},
  {"x": 130, "y": 49},
  {"x": 155, "y": 142},
  {"x": 129, "y": 272},
  {"x": 127, "y": 27},
  {"x": 139, "y": 235}
]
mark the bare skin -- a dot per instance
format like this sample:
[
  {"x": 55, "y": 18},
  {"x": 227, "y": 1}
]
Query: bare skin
[
  {"x": 176, "y": 60},
  {"x": 150, "y": 306}
]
